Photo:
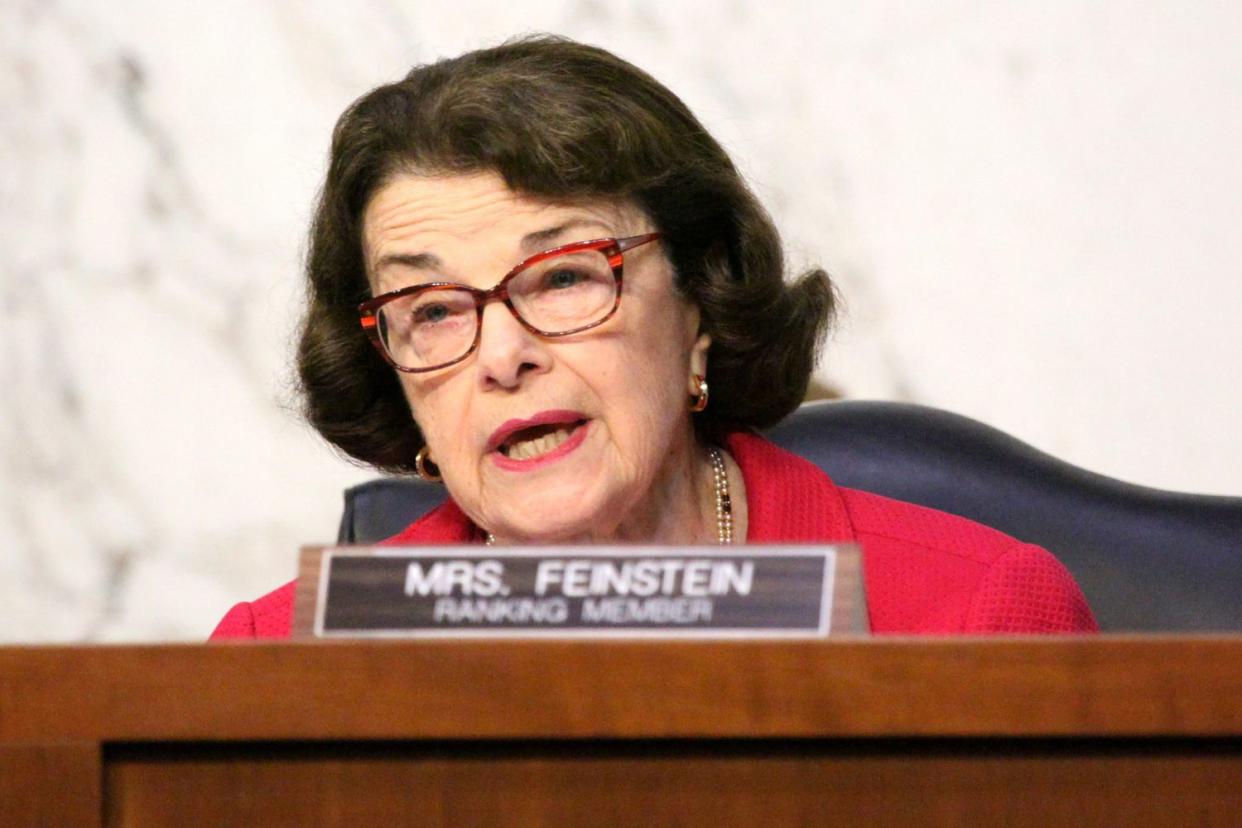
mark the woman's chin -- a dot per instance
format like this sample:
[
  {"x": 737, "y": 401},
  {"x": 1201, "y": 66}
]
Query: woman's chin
[{"x": 549, "y": 529}]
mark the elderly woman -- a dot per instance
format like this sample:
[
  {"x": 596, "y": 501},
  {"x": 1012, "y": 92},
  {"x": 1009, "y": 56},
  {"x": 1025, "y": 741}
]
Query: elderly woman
[{"x": 534, "y": 274}]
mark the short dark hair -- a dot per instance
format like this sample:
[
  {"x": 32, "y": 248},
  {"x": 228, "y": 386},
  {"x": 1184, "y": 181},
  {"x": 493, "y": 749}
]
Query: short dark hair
[{"x": 555, "y": 119}]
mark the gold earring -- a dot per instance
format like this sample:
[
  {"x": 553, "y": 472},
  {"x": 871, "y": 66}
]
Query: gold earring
[
  {"x": 424, "y": 465},
  {"x": 699, "y": 402}
]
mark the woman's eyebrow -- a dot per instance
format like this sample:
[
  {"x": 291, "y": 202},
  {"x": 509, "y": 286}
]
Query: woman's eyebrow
[
  {"x": 532, "y": 242},
  {"x": 539, "y": 239},
  {"x": 421, "y": 261}
]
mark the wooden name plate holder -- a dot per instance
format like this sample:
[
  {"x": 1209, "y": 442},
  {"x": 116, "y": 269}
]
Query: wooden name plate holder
[
  {"x": 1084, "y": 731},
  {"x": 597, "y": 592}
]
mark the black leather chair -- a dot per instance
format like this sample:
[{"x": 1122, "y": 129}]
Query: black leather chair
[{"x": 1147, "y": 559}]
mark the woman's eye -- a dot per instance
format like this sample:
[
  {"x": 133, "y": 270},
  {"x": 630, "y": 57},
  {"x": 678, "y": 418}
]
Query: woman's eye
[
  {"x": 561, "y": 279},
  {"x": 430, "y": 314}
]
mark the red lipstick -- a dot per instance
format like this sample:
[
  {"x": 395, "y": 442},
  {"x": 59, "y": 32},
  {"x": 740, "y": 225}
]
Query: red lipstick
[
  {"x": 552, "y": 417},
  {"x": 556, "y": 417}
]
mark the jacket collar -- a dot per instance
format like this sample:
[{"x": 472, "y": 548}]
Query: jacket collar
[{"x": 788, "y": 498}]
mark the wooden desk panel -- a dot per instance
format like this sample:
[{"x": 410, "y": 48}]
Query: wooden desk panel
[
  {"x": 53, "y": 785},
  {"x": 731, "y": 784},
  {"x": 1021, "y": 731},
  {"x": 1123, "y": 686}
]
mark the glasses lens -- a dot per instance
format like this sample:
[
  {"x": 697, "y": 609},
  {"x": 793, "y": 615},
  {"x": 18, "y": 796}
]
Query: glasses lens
[
  {"x": 565, "y": 292},
  {"x": 428, "y": 328}
]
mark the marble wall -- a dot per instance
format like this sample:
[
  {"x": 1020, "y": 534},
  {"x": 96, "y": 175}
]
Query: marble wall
[{"x": 1031, "y": 209}]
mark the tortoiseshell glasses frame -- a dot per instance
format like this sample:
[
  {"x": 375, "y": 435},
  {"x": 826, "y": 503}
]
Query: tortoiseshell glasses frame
[{"x": 373, "y": 323}]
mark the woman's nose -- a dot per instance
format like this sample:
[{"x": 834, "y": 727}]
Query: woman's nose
[{"x": 507, "y": 350}]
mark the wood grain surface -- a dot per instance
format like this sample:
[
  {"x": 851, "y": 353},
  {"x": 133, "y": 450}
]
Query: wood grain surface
[
  {"x": 54, "y": 785},
  {"x": 1116, "y": 686},
  {"x": 752, "y": 784},
  {"x": 1083, "y": 731}
]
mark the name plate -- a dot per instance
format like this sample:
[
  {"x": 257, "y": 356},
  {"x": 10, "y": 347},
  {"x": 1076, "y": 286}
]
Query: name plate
[{"x": 705, "y": 592}]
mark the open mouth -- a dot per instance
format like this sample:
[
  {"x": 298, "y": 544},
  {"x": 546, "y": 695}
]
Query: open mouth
[{"x": 538, "y": 440}]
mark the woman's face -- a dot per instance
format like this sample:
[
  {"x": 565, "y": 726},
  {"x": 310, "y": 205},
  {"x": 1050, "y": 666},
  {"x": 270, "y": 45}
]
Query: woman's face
[{"x": 593, "y": 427}]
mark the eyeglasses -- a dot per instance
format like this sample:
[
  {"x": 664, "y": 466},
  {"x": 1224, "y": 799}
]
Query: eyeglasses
[{"x": 558, "y": 292}]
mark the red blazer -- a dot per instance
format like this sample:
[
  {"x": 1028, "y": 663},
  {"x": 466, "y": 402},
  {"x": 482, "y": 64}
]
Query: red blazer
[{"x": 926, "y": 572}]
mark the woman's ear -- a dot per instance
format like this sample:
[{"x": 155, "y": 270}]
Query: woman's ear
[{"x": 698, "y": 355}]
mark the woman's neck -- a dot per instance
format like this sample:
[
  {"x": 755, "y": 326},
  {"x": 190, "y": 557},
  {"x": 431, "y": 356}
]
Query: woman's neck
[{"x": 680, "y": 506}]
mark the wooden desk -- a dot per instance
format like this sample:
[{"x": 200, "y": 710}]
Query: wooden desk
[{"x": 1091, "y": 731}]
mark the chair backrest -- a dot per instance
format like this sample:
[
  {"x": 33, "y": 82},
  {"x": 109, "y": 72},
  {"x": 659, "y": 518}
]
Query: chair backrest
[{"x": 1146, "y": 559}]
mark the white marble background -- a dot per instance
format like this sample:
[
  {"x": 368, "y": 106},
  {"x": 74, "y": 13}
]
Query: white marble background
[{"x": 1032, "y": 209}]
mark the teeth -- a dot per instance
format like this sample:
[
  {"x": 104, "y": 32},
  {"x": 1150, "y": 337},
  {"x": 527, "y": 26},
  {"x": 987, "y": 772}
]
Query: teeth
[{"x": 526, "y": 449}]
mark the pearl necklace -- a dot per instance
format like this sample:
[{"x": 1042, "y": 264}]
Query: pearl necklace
[{"x": 724, "y": 505}]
